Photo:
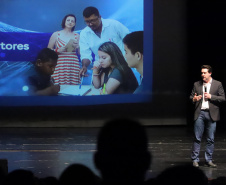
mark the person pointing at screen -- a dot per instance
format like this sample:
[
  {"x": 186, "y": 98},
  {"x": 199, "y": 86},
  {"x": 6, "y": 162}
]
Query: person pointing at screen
[{"x": 98, "y": 31}]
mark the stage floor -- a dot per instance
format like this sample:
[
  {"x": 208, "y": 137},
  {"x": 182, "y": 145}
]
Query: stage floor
[{"x": 48, "y": 151}]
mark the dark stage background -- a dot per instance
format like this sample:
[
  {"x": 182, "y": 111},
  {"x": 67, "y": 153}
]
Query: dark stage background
[{"x": 187, "y": 34}]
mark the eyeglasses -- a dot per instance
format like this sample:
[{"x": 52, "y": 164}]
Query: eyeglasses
[{"x": 92, "y": 21}]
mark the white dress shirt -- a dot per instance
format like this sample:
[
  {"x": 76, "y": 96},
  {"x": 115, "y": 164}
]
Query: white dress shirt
[
  {"x": 205, "y": 102},
  {"x": 89, "y": 42}
]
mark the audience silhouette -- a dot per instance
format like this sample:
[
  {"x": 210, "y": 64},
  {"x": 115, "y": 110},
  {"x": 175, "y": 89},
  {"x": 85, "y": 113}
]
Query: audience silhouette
[
  {"x": 48, "y": 181},
  {"x": 218, "y": 181},
  {"x": 182, "y": 175},
  {"x": 2, "y": 176},
  {"x": 21, "y": 177},
  {"x": 78, "y": 174},
  {"x": 122, "y": 155}
]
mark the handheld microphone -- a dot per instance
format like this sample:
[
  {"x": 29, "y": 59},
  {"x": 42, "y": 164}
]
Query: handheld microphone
[{"x": 205, "y": 88}]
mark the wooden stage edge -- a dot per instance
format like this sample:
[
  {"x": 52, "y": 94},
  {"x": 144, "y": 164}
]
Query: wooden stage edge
[{"x": 88, "y": 123}]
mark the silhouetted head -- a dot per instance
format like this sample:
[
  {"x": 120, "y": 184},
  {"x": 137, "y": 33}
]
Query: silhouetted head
[
  {"x": 78, "y": 174},
  {"x": 218, "y": 181},
  {"x": 21, "y": 177},
  {"x": 50, "y": 180},
  {"x": 182, "y": 174},
  {"x": 122, "y": 152},
  {"x": 2, "y": 176}
]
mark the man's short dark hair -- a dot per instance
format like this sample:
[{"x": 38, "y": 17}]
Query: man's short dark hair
[
  {"x": 88, "y": 11},
  {"x": 46, "y": 55},
  {"x": 134, "y": 41},
  {"x": 207, "y": 67}
]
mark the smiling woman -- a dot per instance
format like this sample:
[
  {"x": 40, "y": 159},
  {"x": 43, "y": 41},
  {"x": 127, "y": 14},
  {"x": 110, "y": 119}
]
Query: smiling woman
[{"x": 67, "y": 69}]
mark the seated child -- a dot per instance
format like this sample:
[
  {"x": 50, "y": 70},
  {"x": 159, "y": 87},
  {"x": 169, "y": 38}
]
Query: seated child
[
  {"x": 111, "y": 72},
  {"x": 39, "y": 80},
  {"x": 133, "y": 44}
]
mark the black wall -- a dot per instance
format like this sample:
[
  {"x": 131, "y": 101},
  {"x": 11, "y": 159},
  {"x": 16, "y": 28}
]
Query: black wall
[{"x": 206, "y": 41}]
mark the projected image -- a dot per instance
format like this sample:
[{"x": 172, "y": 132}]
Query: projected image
[
  {"x": 75, "y": 34},
  {"x": 72, "y": 48}
]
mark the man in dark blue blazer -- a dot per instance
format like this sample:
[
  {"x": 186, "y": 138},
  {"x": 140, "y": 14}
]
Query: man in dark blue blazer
[{"x": 207, "y": 95}]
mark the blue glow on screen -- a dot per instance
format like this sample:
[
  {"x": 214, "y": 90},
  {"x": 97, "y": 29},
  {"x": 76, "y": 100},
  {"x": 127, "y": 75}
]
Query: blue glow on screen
[
  {"x": 46, "y": 15},
  {"x": 25, "y": 88},
  {"x": 21, "y": 20}
]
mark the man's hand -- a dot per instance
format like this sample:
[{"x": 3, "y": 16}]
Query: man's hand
[
  {"x": 207, "y": 95},
  {"x": 197, "y": 98},
  {"x": 52, "y": 90},
  {"x": 82, "y": 71},
  {"x": 75, "y": 44}
]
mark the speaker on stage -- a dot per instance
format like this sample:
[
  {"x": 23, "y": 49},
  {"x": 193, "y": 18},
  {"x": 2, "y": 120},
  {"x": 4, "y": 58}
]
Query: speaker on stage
[{"x": 4, "y": 166}]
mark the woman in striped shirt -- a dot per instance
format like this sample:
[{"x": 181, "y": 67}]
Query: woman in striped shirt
[{"x": 66, "y": 44}]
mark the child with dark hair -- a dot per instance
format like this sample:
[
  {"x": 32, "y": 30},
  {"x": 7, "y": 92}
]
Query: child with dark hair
[
  {"x": 133, "y": 44},
  {"x": 111, "y": 72},
  {"x": 38, "y": 78}
]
